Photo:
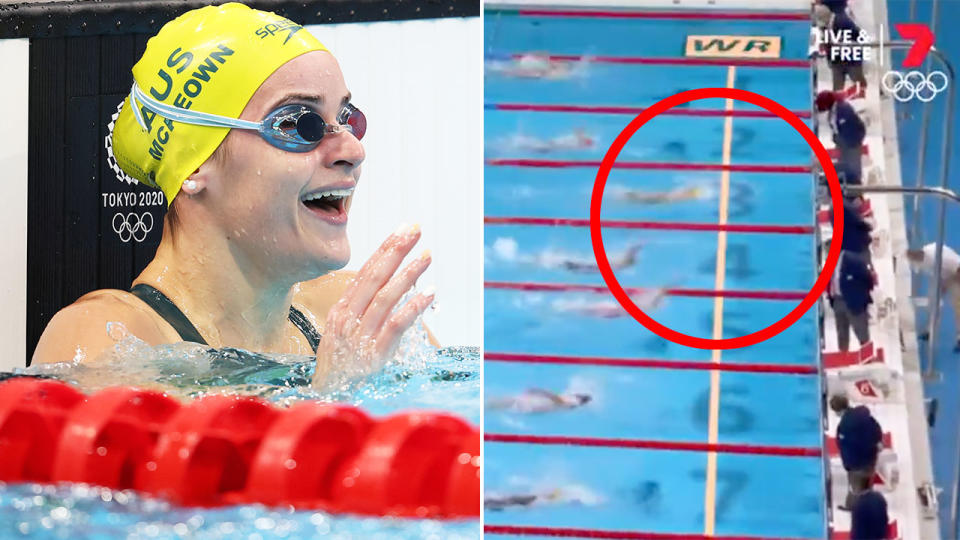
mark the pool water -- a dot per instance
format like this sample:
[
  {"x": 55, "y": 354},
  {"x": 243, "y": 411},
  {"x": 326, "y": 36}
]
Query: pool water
[
  {"x": 615, "y": 487},
  {"x": 419, "y": 377}
]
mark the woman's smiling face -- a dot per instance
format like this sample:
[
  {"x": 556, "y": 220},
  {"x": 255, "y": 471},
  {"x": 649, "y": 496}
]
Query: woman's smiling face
[{"x": 288, "y": 209}]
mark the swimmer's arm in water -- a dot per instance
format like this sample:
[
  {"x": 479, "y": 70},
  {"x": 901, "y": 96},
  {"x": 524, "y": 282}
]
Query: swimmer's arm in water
[
  {"x": 554, "y": 398},
  {"x": 499, "y": 503},
  {"x": 362, "y": 329},
  {"x": 79, "y": 331}
]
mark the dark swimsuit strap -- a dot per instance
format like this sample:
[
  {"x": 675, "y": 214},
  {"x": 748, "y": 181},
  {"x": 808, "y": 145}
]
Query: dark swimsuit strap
[{"x": 188, "y": 332}]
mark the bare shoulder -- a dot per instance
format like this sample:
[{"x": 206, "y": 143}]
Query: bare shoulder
[
  {"x": 320, "y": 294},
  {"x": 80, "y": 329}
]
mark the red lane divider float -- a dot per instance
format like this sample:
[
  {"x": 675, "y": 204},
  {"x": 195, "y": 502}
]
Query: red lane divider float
[
  {"x": 753, "y": 449},
  {"x": 682, "y": 15},
  {"x": 633, "y": 111},
  {"x": 652, "y": 225},
  {"x": 653, "y": 363},
  {"x": 698, "y": 293},
  {"x": 649, "y": 165},
  {"x": 682, "y": 61},
  {"x": 569, "y": 532},
  {"x": 230, "y": 449}
]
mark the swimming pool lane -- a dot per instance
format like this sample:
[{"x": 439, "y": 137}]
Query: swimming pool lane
[{"x": 678, "y": 442}]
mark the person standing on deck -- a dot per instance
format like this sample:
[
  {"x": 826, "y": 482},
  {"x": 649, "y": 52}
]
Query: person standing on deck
[
  {"x": 836, "y": 7},
  {"x": 924, "y": 260},
  {"x": 859, "y": 439},
  {"x": 842, "y": 62},
  {"x": 868, "y": 517},
  {"x": 849, "y": 296},
  {"x": 848, "y": 131}
]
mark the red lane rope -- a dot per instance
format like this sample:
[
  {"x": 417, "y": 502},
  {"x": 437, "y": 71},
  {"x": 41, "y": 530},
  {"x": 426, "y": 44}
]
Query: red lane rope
[
  {"x": 699, "y": 293},
  {"x": 727, "y": 448},
  {"x": 654, "y": 225},
  {"x": 570, "y": 532},
  {"x": 742, "y": 62},
  {"x": 649, "y": 165},
  {"x": 615, "y": 109},
  {"x": 710, "y": 15},
  {"x": 654, "y": 363}
]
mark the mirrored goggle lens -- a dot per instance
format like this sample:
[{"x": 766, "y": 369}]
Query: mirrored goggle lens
[
  {"x": 353, "y": 117},
  {"x": 299, "y": 129}
]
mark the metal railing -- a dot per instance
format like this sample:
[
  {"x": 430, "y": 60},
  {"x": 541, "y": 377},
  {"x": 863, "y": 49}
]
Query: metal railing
[{"x": 944, "y": 194}]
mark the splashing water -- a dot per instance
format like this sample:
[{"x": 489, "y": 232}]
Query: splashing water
[
  {"x": 419, "y": 376},
  {"x": 80, "y": 511}
]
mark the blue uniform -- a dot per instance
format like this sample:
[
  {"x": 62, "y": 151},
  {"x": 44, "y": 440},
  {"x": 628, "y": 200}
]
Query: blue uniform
[
  {"x": 856, "y": 231},
  {"x": 858, "y": 438},
  {"x": 837, "y": 7},
  {"x": 868, "y": 517},
  {"x": 848, "y": 129}
]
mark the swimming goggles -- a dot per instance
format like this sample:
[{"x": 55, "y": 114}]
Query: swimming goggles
[{"x": 294, "y": 128}]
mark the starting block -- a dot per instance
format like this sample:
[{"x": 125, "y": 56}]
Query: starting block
[
  {"x": 834, "y": 153},
  {"x": 886, "y": 479},
  {"x": 825, "y": 216},
  {"x": 854, "y": 91},
  {"x": 865, "y": 383},
  {"x": 865, "y": 355},
  {"x": 893, "y": 533}
]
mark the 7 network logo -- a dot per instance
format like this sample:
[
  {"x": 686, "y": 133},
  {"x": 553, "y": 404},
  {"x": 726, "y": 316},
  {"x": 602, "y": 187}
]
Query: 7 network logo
[{"x": 915, "y": 84}]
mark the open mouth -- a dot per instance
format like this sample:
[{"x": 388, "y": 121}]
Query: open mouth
[{"x": 330, "y": 205}]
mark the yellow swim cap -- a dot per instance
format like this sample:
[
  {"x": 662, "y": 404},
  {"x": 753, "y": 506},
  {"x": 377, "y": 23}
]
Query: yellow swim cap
[{"x": 210, "y": 60}]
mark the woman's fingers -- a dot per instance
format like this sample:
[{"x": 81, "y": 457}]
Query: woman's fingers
[
  {"x": 388, "y": 296},
  {"x": 379, "y": 269},
  {"x": 400, "y": 321}
]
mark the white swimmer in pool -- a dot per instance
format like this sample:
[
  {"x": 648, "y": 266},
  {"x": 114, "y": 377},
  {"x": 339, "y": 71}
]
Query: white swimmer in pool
[
  {"x": 676, "y": 195},
  {"x": 538, "y": 65},
  {"x": 256, "y": 229},
  {"x": 506, "y": 249},
  {"x": 538, "y": 400},
  {"x": 578, "y": 139},
  {"x": 648, "y": 300},
  {"x": 572, "y": 494}
]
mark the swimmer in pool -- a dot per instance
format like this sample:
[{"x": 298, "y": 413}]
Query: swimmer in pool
[
  {"x": 538, "y": 400},
  {"x": 538, "y": 65},
  {"x": 648, "y": 301},
  {"x": 560, "y": 495},
  {"x": 617, "y": 262},
  {"x": 259, "y": 169},
  {"x": 680, "y": 194},
  {"x": 577, "y": 140},
  {"x": 508, "y": 250}
]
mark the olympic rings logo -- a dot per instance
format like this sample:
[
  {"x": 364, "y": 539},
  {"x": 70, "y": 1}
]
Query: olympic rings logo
[
  {"x": 914, "y": 84},
  {"x": 132, "y": 226}
]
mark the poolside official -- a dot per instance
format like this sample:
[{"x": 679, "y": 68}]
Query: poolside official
[
  {"x": 859, "y": 439},
  {"x": 850, "y": 288},
  {"x": 848, "y": 130},
  {"x": 868, "y": 517}
]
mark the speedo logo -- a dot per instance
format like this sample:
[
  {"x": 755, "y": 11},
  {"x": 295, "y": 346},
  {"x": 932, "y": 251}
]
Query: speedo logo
[{"x": 282, "y": 26}]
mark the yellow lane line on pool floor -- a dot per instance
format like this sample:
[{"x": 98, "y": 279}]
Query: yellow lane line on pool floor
[{"x": 710, "y": 492}]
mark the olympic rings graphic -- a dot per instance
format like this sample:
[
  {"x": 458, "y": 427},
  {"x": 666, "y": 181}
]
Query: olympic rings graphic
[
  {"x": 132, "y": 226},
  {"x": 914, "y": 84}
]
